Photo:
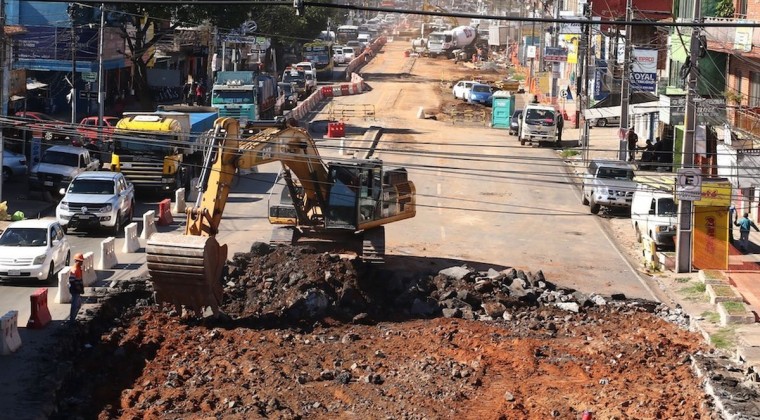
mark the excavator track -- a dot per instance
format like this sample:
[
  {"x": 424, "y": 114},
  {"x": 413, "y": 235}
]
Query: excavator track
[
  {"x": 282, "y": 235},
  {"x": 373, "y": 245}
]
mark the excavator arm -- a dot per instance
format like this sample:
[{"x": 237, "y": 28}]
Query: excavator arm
[{"x": 344, "y": 197}]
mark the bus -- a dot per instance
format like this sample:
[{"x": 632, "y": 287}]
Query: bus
[
  {"x": 319, "y": 53},
  {"x": 347, "y": 33}
]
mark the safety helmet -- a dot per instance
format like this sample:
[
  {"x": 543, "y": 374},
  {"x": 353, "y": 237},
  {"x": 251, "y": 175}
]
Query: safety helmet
[{"x": 79, "y": 257}]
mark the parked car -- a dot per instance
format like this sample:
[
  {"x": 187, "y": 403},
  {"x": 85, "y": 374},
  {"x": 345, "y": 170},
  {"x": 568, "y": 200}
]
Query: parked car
[
  {"x": 462, "y": 89},
  {"x": 604, "y": 122},
  {"x": 14, "y": 165},
  {"x": 481, "y": 93},
  {"x": 653, "y": 213},
  {"x": 35, "y": 249},
  {"x": 41, "y": 126},
  {"x": 88, "y": 128},
  {"x": 338, "y": 56},
  {"x": 97, "y": 200},
  {"x": 514, "y": 122}
]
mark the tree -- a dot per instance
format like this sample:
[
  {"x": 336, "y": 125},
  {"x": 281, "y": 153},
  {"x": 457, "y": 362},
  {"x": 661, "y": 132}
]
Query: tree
[
  {"x": 724, "y": 9},
  {"x": 143, "y": 26}
]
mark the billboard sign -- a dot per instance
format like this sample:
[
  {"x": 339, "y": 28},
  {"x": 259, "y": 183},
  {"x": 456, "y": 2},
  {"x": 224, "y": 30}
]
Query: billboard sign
[{"x": 644, "y": 71}]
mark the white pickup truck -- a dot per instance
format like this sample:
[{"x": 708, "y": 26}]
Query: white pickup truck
[
  {"x": 58, "y": 166},
  {"x": 608, "y": 184},
  {"x": 97, "y": 200}
]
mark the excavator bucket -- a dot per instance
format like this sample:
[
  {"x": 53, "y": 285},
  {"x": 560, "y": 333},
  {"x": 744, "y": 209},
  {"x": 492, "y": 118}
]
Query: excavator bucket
[{"x": 187, "y": 270}]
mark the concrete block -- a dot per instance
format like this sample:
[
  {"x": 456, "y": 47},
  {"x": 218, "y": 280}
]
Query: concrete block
[
  {"x": 107, "y": 254},
  {"x": 131, "y": 243},
  {"x": 713, "y": 277},
  {"x": 179, "y": 205},
  {"x": 89, "y": 276},
  {"x": 732, "y": 313},
  {"x": 63, "y": 295},
  {"x": 723, "y": 293},
  {"x": 149, "y": 224}
]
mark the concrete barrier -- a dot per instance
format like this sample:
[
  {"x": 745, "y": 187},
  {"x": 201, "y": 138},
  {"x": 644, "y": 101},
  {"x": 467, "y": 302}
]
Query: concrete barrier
[
  {"x": 149, "y": 224},
  {"x": 131, "y": 243},
  {"x": 107, "y": 254},
  {"x": 89, "y": 276},
  {"x": 63, "y": 295},
  {"x": 165, "y": 217},
  {"x": 179, "y": 205},
  {"x": 10, "y": 341},
  {"x": 40, "y": 315}
]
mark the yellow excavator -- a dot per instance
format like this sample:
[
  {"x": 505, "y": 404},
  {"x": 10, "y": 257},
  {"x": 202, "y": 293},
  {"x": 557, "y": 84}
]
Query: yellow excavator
[{"x": 335, "y": 201}]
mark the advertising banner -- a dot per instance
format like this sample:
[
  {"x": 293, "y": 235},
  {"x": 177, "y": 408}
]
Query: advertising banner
[
  {"x": 555, "y": 54},
  {"x": 601, "y": 90},
  {"x": 710, "y": 238},
  {"x": 644, "y": 72},
  {"x": 52, "y": 43}
]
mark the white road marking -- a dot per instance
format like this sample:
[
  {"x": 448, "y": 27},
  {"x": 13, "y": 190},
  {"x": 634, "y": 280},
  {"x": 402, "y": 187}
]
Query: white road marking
[{"x": 443, "y": 233}]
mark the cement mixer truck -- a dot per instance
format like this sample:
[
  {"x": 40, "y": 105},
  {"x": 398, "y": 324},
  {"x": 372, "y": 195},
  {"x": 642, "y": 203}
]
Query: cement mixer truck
[{"x": 445, "y": 42}]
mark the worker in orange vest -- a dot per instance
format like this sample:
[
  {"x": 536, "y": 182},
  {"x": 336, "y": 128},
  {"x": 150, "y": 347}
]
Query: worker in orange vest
[{"x": 76, "y": 287}]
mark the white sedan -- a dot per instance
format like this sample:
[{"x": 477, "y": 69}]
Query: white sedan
[
  {"x": 34, "y": 249},
  {"x": 462, "y": 89},
  {"x": 349, "y": 54}
]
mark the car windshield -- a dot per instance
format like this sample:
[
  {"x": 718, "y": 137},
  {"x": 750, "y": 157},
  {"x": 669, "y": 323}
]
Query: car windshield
[
  {"x": 615, "y": 173},
  {"x": 287, "y": 89},
  {"x": 61, "y": 158},
  {"x": 24, "y": 237},
  {"x": 481, "y": 88},
  {"x": 289, "y": 77},
  {"x": 539, "y": 115},
  {"x": 666, "y": 207},
  {"x": 150, "y": 145},
  {"x": 232, "y": 97},
  {"x": 92, "y": 186}
]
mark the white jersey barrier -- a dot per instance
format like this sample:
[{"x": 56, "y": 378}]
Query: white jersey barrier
[
  {"x": 89, "y": 276},
  {"x": 149, "y": 224},
  {"x": 10, "y": 341},
  {"x": 63, "y": 295},
  {"x": 107, "y": 254},
  {"x": 179, "y": 202},
  {"x": 131, "y": 243}
]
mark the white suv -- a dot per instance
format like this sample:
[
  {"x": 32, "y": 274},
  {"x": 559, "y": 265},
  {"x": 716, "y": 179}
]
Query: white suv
[
  {"x": 97, "y": 199},
  {"x": 33, "y": 249}
]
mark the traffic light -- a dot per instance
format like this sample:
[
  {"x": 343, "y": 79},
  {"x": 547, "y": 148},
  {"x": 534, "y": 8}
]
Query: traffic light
[{"x": 298, "y": 4}]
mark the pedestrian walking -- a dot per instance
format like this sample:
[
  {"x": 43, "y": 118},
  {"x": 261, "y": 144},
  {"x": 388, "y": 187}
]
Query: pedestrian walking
[
  {"x": 76, "y": 287},
  {"x": 200, "y": 92},
  {"x": 534, "y": 100},
  {"x": 188, "y": 93},
  {"x": 732, "y": 219},
  {"x": 744, "y": 224},
  {"x": 631, "y": 137},
  {"x": 560, "y": 125}
]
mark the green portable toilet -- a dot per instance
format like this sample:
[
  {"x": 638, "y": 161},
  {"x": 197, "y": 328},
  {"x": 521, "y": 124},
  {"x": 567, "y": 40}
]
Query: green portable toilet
[{"x": 502, "y": 106}]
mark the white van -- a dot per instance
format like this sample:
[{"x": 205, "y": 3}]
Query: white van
[
  {"x": 654, "y": 213},
  {"x": 363, "y": 38},
  {"x": 538, "y": 122}
]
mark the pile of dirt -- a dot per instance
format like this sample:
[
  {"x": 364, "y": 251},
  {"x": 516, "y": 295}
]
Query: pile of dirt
[{"x": 315, "y": 335}]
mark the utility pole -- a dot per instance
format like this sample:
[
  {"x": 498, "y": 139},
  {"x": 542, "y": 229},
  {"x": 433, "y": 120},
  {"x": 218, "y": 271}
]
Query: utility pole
[
  {"x": 586, "y": 73},
  {"x": 5, "y": 57},
  {"x": 685, "y": 207},
  {"x": 533, "y": 40},
  {"x": 73, "y": 72},
  {"x": 101, "y": 85},
  {"x": 625, "y": 87},
  {"x": 555, "y": 36},
  {"x": 581, "y": 58}
]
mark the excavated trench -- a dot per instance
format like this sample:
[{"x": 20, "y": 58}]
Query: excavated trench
[{"x": 315, "y": 335}]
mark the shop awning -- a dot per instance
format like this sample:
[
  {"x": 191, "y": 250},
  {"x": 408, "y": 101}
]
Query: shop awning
[{"x": 35, "y": 85}]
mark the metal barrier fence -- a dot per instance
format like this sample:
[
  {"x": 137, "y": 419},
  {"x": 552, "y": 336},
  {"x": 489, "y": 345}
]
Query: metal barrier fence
[
  {"x": 338, "y": 111},
  {"x": 470, "y": 116}
]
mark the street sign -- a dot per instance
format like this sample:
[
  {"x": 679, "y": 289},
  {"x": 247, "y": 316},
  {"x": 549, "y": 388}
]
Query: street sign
[
  {"x": 88, "y": 95},
  {"x": 89, "y": 76},
  {"x": 689, "y": 184}
]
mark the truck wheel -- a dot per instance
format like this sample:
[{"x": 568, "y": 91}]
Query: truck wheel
[
  {"x": 522, "y": 140},
  {"x": 594, "y": 207},
  {"x": 116, "y": 228},
  {"x": 584, "y": 200},
  {"x": 638, "y": 234}
]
